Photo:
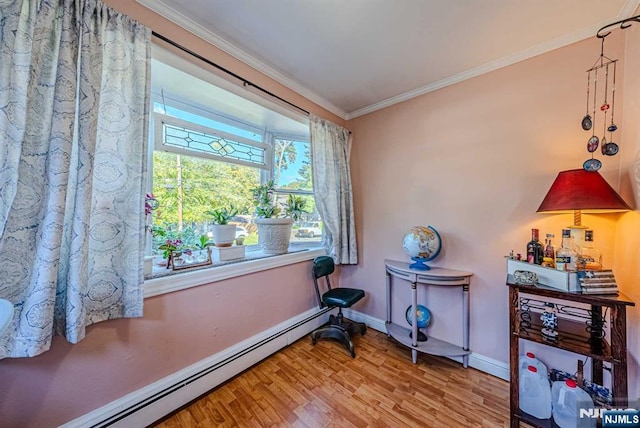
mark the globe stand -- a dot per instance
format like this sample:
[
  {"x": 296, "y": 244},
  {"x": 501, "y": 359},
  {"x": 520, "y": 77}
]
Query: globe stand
[
  {"x": 421, "y": 336},
  {"x": 419, "y": 264}
]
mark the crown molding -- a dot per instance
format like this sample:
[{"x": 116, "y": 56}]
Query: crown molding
[
  {"x": 629, "y": 9},
  {"x": 491, "y": 66},
  {"x": 209, "y": 36},
  {"x": 171, "y": 14}
]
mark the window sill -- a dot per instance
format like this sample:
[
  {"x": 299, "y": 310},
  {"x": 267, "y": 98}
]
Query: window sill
[{"x": 182, "y": 280}]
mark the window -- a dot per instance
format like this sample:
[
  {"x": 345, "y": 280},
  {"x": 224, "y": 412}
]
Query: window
[
  {"x": 210, "y": 147},
  {"x": 292, "y": 175}
]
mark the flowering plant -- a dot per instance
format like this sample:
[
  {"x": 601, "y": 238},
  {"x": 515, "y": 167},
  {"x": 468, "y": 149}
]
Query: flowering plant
[{"x": 169, "y": 246}]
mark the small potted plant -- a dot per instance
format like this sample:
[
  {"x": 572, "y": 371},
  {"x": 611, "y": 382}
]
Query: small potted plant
[
  {"x": 223, "y": 232},
  {"x": 203, "y": 247},
  {"x": 274, "y": 232}
]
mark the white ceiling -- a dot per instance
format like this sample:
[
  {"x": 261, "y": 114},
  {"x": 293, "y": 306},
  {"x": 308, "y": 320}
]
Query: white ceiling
[{"x": 356, "y": 56}]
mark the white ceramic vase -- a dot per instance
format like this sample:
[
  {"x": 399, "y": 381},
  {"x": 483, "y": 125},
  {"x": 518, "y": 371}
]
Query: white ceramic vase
[
  {"x": 274, "y": 234},
  {"x": 223, "y": 234}
]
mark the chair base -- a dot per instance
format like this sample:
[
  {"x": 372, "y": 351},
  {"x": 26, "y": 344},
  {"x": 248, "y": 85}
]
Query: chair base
[{"x": 341, "y": 331}]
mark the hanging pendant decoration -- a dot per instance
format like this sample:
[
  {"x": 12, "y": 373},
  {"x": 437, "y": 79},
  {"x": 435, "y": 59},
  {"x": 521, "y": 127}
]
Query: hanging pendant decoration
[
  {"x": 607, "y": 103},
  {"x": 586, "y": 120},
  {"x": 603, "y": 149},
  {"x": 610, "y": 149},
  {"x": 592, "y": 165}
]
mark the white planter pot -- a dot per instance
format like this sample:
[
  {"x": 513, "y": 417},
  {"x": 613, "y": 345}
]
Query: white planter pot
[
  {"x": 148, "y": 265},
  {"x": 223, "y": 234},
  {"x": 274, "y": 234}
]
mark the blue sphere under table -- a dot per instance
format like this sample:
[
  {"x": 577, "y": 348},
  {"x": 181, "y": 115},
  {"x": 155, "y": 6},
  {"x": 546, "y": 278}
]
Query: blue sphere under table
[{"x": 423, "y": 316}]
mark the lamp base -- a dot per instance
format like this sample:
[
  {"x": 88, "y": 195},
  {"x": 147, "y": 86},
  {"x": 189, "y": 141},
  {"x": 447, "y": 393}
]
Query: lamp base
[{"x": 577, "y": 236}]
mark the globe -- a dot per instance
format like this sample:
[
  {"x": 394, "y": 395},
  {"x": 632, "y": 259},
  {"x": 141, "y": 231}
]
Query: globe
[
  {"x": 423, "y": 316},
  {"x": 422, "y": 244}
]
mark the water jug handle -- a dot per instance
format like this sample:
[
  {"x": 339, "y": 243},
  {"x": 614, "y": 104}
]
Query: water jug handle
[{"x": 563, "y": 392}]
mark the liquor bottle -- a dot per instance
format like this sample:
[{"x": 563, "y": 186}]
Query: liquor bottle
[
  {"x": 535, "y": 252},
  {"x": 591, "y": 257},
  {"x": 566, "y": 256},
  {"x": 550, "y": 251}
]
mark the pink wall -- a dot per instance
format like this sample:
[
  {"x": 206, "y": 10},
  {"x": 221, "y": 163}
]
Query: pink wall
[
  {"x": 475, "y": 160},
  {"x": 118, "y": 357},
  {"x": 178, "y": 329}
]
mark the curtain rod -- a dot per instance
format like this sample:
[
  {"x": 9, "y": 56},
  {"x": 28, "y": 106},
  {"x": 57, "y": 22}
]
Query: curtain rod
[{"x": 245, "y": 82}]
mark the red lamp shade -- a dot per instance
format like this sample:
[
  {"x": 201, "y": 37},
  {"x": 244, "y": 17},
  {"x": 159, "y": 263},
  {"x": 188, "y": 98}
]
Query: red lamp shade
[{"x": 579, "y": 189}]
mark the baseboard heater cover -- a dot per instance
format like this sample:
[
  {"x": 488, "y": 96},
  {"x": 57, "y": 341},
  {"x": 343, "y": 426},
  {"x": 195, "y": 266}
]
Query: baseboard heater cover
[{"x": 136, "y": 409}]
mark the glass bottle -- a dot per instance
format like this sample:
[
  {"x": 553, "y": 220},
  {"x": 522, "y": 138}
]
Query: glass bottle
[
  {"x": 535, "y": 251},
  {"x": 550, "y": 251},
  {"x": 591, "y": 258},
  {"x": 566, "y": 256}
]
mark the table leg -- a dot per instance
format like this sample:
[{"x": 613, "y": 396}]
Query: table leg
[
  {"x": 388, "y": 301},
  {"x": 619, "y": 351},
  {"x": 514, "y": 352},
  {"x": 465, "y": 324},
  {"x": 414, "y": 323}
]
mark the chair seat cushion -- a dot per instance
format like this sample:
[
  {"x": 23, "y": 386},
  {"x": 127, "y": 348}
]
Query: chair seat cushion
[{"x": 342, "y": 297}]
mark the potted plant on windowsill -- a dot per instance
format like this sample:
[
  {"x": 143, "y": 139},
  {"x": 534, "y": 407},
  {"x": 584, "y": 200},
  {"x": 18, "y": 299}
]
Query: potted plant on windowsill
[
  {"x": 223, "y": 232},
  {"x": 274, "y": 231}
]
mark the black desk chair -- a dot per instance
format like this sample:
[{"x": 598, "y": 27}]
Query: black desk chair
[{"x": 340, "y": 297}]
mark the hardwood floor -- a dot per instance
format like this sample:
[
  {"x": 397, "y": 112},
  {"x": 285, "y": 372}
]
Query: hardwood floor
[{"x": 307, "y": 386}]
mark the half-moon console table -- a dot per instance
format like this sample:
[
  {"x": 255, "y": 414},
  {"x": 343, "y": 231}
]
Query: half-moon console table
[{"x": 435, "y": 276}]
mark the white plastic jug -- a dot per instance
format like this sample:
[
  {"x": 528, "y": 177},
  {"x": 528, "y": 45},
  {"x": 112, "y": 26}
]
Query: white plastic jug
[
  {"x": 567, "y": 399},
  {"x": 535, "y": 393},
  {"x": 529, "y": 359}
]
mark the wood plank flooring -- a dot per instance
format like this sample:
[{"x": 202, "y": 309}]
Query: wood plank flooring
[{"x": 322, "y": 386}]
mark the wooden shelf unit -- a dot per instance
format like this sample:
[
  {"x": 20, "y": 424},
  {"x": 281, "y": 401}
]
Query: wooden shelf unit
[{"x": 573, "y": 337}]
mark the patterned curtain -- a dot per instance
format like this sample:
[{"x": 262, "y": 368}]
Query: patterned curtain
[
  {"x": 74, "y": 99},
  {"x": 332, "y": 189}
]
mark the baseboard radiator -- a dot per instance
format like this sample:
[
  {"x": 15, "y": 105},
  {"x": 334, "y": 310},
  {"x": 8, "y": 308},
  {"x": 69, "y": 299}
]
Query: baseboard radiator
[{"x": 154, "y": 401}]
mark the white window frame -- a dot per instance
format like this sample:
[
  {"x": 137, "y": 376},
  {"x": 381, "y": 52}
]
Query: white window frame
[
  {"x": 159, "y": 142},
  {"x": 272, "y": 136},
  {"x": 187, "y": 279}
]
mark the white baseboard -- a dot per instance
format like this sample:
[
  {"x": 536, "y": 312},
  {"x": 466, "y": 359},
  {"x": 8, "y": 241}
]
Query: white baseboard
[
  {"x": 480, "y": 362},
  {"x": 152, "y": 402}
]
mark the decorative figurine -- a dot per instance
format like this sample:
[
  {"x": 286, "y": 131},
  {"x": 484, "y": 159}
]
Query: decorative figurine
[{"x": 550, "y": 321}]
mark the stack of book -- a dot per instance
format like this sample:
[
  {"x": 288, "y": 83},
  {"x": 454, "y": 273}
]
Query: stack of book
[{"x": 597, "y": 282}]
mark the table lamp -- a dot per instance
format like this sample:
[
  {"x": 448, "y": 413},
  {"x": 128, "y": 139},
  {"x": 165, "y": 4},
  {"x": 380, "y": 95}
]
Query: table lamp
[{"x": 580, "y": 191}]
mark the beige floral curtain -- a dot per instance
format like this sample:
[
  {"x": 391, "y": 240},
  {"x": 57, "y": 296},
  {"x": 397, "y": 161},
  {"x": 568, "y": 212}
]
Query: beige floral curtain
[
  {"x": 74, "y": 97},
  {"x": 332, "y": 189}
]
